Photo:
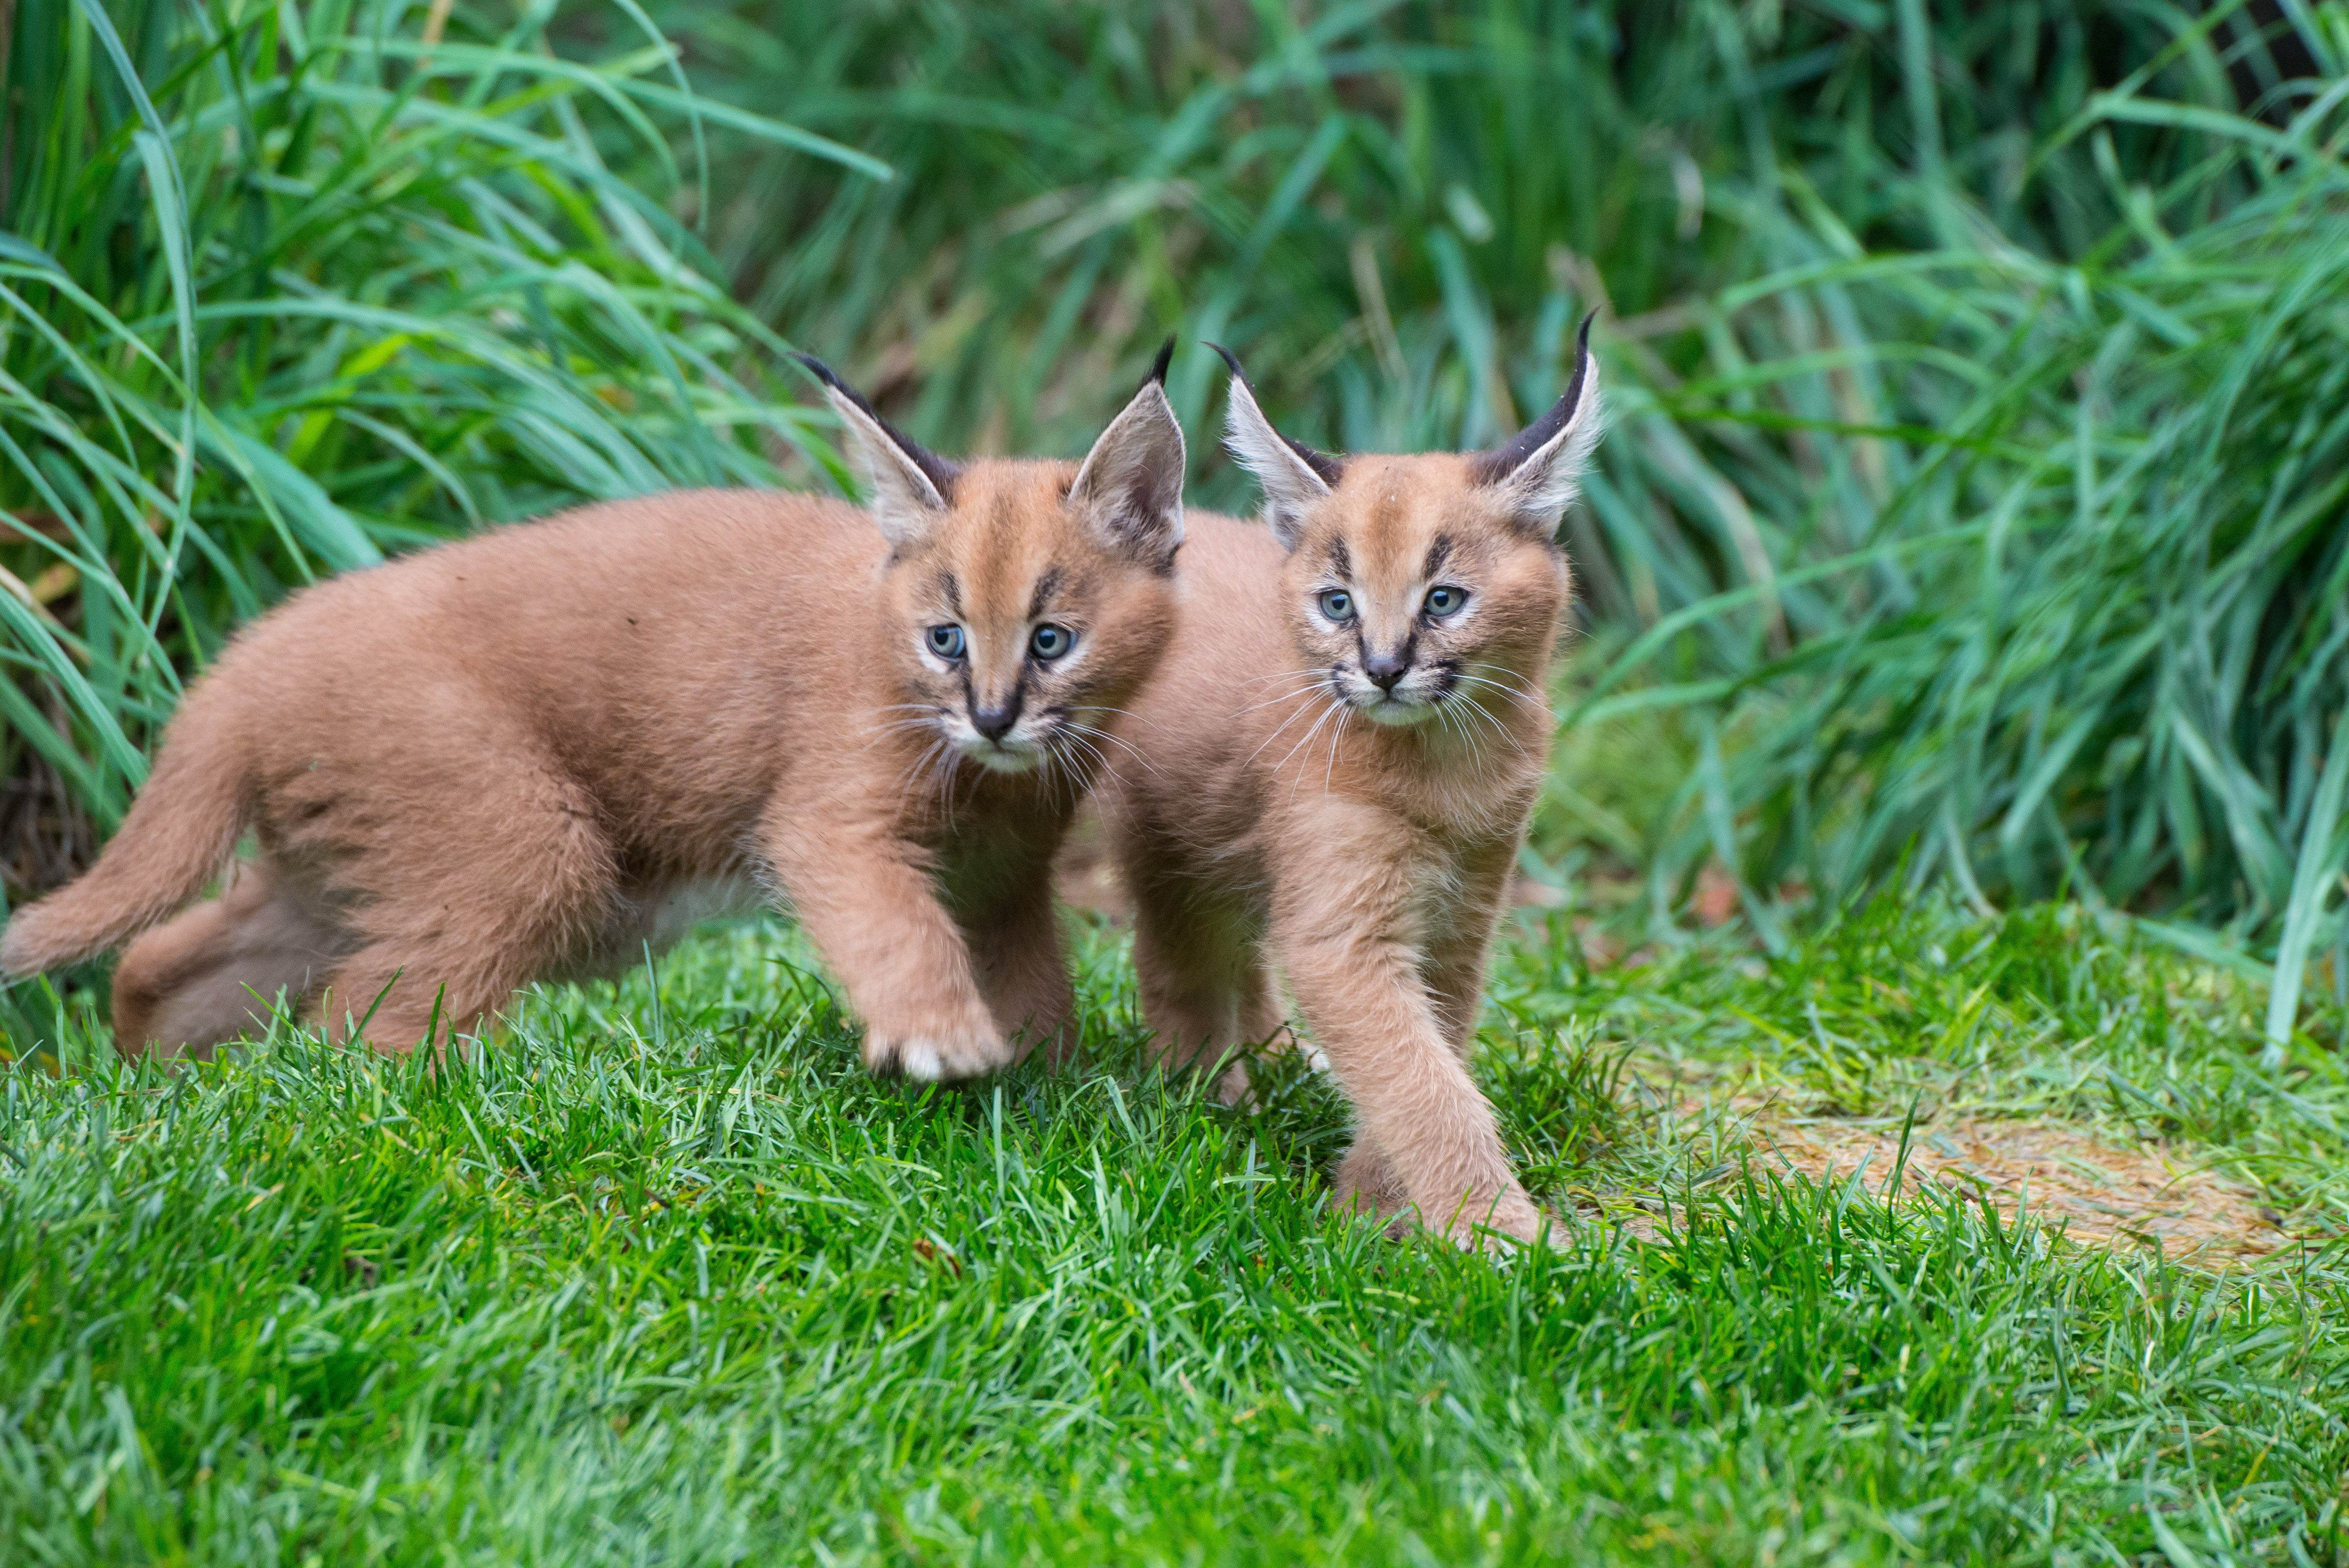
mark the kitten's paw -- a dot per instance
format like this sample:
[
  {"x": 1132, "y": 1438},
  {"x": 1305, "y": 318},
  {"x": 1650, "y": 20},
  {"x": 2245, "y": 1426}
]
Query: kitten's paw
[
  {"x": 935, "y": 1057},
  {"x": 1513, "y": 1220}
]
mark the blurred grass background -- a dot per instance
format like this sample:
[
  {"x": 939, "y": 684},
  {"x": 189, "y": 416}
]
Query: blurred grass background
[{"x": 1973, "y": 511}]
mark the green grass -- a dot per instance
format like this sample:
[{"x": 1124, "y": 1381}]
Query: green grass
[
  {"x": 283, "y": 292},
  {"x": 664, "y": 1277}
]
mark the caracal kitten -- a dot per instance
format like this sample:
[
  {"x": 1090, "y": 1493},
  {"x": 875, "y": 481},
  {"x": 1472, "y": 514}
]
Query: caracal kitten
[
  {"x": 1333, "y": 767},
  {"x": 524, "y": 756}
]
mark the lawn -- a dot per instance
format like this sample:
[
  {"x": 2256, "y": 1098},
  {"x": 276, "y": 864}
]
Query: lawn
[{"x": 663, "y": 1276}]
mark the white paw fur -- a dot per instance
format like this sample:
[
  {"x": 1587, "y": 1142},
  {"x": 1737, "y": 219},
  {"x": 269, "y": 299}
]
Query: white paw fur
[{"x": 928, "y": 1058}]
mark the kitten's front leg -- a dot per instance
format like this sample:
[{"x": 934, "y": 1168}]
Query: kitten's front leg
[
  {"x": 1453, "y": 968},
  {"x": 1427, "y": 1134},
  {"x": 1456, "y": 962},
  {"x": 865, "y": 896}
]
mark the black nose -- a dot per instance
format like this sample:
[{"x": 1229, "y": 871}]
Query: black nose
[
  {"x": 1385, "y": 669},
  {"x": 995, "y": 723}
]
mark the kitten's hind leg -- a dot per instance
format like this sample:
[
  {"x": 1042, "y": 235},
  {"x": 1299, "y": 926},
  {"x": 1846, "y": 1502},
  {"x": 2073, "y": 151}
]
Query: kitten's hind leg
[
  {"x": 1365, "y": 1181},
  {"x": 215, "y": 972},
  {"x": 1203, "y": 988},
  {"x": 459, "y": 918}
]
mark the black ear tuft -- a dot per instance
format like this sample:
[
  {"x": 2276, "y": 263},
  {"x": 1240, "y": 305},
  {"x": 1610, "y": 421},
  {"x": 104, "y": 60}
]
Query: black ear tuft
[
  {"x": 822, "y": 372},
  {"x": 1492, "y": 467},
  {"x": 941, "y": 472},
  {"x": 1328, "y": 470},
  {"x": 1158, "y": 366}
]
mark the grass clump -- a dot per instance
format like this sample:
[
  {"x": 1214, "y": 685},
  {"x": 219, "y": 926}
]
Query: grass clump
[
  {"x": 282, "y": 292},
  {"x": 664, "y": 1276}
]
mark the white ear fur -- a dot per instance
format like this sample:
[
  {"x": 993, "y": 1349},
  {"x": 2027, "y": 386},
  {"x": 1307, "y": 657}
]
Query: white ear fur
[
  {"x": 1130, "y": 483},
  {"x": 897, "y": 493},
  {"x": 1544, "y": 485},
  {"x": 1290, "y": 485}
]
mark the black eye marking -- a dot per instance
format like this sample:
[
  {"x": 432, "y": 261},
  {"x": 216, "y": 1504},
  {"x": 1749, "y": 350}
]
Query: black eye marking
[
  {"x": 946, "y": 641},
  {"x": 1046, "y": 586},
  {"x": 1437, "y": 554},
  {"x": 951, "y": 591},
  {"x": 1342, "y": 560}
]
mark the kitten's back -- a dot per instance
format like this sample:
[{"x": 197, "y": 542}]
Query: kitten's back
[{"x": 612, "y": 636}]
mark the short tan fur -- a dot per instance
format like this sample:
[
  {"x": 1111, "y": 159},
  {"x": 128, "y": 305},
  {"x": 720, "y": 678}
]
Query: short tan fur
[
  {"x": 1335, "y": 764},
  {"x": 524, "y": 756}
]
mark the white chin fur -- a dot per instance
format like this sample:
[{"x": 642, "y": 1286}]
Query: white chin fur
[
  {"x": 1396, "y": 715},
  {"x": 996, "y": 759}
]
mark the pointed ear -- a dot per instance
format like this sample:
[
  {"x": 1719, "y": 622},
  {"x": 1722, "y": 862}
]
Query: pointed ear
[
  {"x": 1539, "y": 469},
  {"x": 1294, "y": 476},
  {"x": 906, "y": 488},
  {"x": 1131, "y": 486}
]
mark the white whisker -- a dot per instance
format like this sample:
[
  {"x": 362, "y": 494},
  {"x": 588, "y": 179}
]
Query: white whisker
[
  {"x": 1283, "y": 725},
  {"x": 1520, "y": 689},
  {"x": 1070, "y": 735},
  {"x": 1053, "y": 767},
  {"x": 1333, "y": 710},
  {"x": 949, "y": 765},
  {"x": 1337, "y": 735},
  {"x": 1097, "y": 732},
  {"x": 1284, "y": 697},
  {"x": 1479, "y": 710}
]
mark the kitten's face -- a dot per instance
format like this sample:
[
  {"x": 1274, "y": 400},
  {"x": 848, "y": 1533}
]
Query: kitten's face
[
  {"x": 1018, "y": 629},
  {"x": 1026, "y": 601},
  {"x": 1417, "y": 581},
  {"x": 1407, "y": 587}
]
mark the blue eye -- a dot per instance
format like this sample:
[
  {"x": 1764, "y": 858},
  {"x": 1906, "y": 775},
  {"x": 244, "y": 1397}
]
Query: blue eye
[
  {"x": 1444, "y": 601},
  {"x": 1337, "y": 605},
  {"x": 947, "y": 642},
  {"x": 1049, "y": 642}
]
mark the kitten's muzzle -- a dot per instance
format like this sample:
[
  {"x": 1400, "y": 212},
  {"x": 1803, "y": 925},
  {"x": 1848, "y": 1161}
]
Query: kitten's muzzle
[
  {"x": 995, "y": 723},
  {"x": 1389, "y": 691},
  {"x": 1013, "y": 748}
]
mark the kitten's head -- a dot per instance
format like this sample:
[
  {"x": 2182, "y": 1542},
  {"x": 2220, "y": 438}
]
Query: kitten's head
[
  {"x": 1025, "y": 599},
  {"x": 1413, "y": 582}
]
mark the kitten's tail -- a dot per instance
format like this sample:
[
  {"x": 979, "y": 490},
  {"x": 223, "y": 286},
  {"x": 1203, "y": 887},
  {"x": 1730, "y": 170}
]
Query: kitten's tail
[{"x": 180, "y": 832}]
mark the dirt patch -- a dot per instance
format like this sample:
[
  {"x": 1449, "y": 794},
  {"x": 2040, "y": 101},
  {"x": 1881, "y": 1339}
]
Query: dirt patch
[{"x": 2100, "y": 1194}]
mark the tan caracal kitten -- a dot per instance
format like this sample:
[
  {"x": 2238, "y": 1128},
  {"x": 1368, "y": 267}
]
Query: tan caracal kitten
[
  {"x": 1338, "y": 756},
  {"x": 524, "y": 756}
]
